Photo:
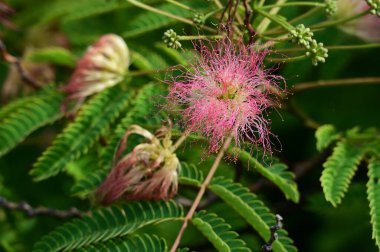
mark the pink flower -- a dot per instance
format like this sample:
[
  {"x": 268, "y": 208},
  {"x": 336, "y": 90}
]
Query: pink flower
[
  {"x": 103, "y": 65},
  {"x": 149, "y": 172},
  {"x": 226, "y": 91},
  {"x": 366, "y": 27}
]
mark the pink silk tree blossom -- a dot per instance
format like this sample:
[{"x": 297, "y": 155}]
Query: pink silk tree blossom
[
  {"x": 366, "y": 27},
  {"x": 103, "y": 65},
  {"x": 226, "y": 92},
  {"x": 149, "y": 172}
]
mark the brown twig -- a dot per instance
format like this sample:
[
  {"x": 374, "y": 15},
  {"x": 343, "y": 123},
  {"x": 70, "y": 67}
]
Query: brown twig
[
  {"x": 274, "y": 235},
  {"x": 31, "y": 212},
  {"x": 14, "y": 60},
  {"x": 247, "y": 21},
  {"x": 201, "y": 192}
]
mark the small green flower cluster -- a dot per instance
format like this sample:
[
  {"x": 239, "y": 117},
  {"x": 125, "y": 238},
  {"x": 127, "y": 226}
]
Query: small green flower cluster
[
  {"x": 331, "y": 7},
  {"x": 375, "y": 7},
  {"x": 170, "y": 38},
  {"x": 199, "y": 19},
  {"x": 304, "y": 36}
]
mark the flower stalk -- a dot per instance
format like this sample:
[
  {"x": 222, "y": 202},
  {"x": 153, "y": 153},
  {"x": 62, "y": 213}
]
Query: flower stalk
[{"x": 201, "y": 192}]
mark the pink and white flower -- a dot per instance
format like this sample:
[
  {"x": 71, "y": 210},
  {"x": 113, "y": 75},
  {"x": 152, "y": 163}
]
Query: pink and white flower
[
  {"x": 104, "y": 64},
  {"x": 366, "y": 27},
  {"x": 149, "y": 172},
  {"x": 226, "y": 92}
]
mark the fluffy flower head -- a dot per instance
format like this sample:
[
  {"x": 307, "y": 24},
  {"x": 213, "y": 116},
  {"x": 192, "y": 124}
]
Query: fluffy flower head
[
  {"x": 103, "y": 65},
  {"x": 226, "y": 91},
  {"x": 149, "y": 172}
]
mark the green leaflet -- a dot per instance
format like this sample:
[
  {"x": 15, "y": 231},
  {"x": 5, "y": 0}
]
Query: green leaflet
[
  {"x": 373, "y": 194},
  {"x": 325, "y": 135},
  {"x": 248, "y": 206},
  {"x": 142, "y": 109},
  {"x": 54, "y": 55},
  {"x": 23, "y": 116},
  {"x": 340, "y": 167},
  {"x": 218, "y": 232},
  {"x": 108, "y": 223},
  {"x": 276, "y": 173},
  {"x": 190, "y": 175},
  {"x": 92, "y": 121},
  {"x": 130, "y": 243},
  {"x": 88, "y": 184},
  {"x": 149, "y": 21}
]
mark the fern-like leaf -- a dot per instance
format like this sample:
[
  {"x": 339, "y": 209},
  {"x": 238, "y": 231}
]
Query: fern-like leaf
[
  {"x": 218, "y": 232},
  {"x": 248, "y": 206},
  {"x": 108, "y": 223},
  {"x": 54, "y": 55},
  {"x": 87, "y": 185},
  {"x": 373, "y": 192},
  {"x": 149, "y": 21},
  {"x": 325, "y": 135},
  {"x": 142, "y": 110},
  {"x": 78, "y": 136},
  {"x": 132, "y": 243},
  {"x": 277, "y": 173},
  {"x": 190, "y": 175},
  {"x": 21, "y": 117},
  {"x": 339, "y": 169}
]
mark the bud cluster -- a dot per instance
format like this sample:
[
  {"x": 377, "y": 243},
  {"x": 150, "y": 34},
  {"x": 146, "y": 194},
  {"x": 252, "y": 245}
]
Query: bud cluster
[
  {"x": 304, "y": 36},
  {"x": 170, "y": 38},
  {"x": 331, "y": 7},
  {"x": 375, "y": 7}
]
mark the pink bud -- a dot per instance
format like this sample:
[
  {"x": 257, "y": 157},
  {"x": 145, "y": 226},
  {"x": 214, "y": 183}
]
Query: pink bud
[{"x": 103, "y": 65}]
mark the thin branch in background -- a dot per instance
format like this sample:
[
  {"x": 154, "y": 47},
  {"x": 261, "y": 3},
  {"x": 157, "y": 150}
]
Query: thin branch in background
[
  {"x": 14, "y": 60},
  {"x": 31, "y": 212},
  {"x": 247, "y": 21},
  {"x": 274, "y": 235},
  {"x": 338, "y": 82}
]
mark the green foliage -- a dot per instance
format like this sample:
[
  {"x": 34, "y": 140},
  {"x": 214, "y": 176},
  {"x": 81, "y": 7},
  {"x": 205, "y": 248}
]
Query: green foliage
[
  {"x": 325, "y": 135},
  {"x": 277, "y": 173},
  {"x": 132, "y": 243},
  {"x": 54, "y": 55},
  {"x": 108, "y": 223},
  {"x": 249, "y": 207},
  {"x": 373, "y": 192},
  {"x": 22, "y": 117},
  {"x": 91, "y": 122},
  {"x": 218, "y": 232},
  {"x": 148, "y": 21},
  {"x": 340, "y": 167}
]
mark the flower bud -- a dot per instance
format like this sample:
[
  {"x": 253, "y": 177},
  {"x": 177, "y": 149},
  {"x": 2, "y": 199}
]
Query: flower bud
[
  {"x": 149, "y": 172},
  {"x": 103, "y": 65}
]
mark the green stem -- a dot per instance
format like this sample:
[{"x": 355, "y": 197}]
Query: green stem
[
  {"x": 307, "y": 14},
  {"x": 339, "y": 21},
  {"x": 179, "y": 5},
  {"x": 167, "y": 14},
  {"x": 295, "y": 110},
  {"x": 293, "y": 4},
  {"x": 338, "y": 82},
  {"x": 195, "y": 37},
  {"x": 266, "y": 21},
  {"x": 283, "y": 23},
  {"x": 286, "y": 60},
  {"x": 332, "y": 48}
]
